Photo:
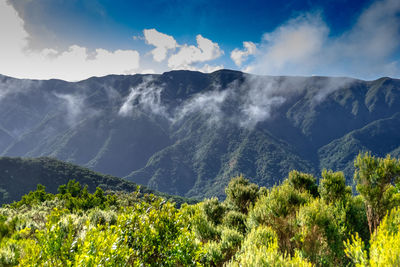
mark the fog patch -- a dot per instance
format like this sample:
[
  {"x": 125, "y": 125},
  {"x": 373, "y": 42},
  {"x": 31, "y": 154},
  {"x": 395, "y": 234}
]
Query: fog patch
[
  {"x": 75, "y": 108},
  {"x": 14, "y": 86},
  {"x": 244, "y": 103},
  {"x": 146, "y": 96},
  {"x": 209, "y": 103},
  {"x": 329, "y": 85}
]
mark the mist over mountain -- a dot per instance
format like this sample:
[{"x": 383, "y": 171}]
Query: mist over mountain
[{"x": 188, "y": 133}]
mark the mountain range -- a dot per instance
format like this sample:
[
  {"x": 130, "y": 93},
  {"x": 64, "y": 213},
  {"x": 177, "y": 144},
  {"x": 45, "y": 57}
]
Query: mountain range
[{"x": 188, "y": 133}]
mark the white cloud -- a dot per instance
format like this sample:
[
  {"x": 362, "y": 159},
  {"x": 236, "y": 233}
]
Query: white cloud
[
  {"x": 370, "y": 45},
  {"x": 161, "y": 41},
  {"x": 238, "y": 56},
  {"x": 17, "y": 60},
  {"x": 189, "y": 55},
  {"x": 209, "y": 68},
  {"x": 148, "y": 71},
  {"x": 302, "y": 46},
  {"x": 292, "y": 48}
]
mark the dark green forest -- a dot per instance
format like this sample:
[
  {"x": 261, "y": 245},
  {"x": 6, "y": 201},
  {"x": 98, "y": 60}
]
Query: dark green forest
[{"x": 303, "y": 221}]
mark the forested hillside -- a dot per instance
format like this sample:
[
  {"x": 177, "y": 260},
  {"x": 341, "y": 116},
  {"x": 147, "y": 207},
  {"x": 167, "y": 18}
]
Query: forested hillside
[
  {"x": 297, "y": 223},
  {"x": 188, "y": 133},
  {"x": 18, "y": 176}
]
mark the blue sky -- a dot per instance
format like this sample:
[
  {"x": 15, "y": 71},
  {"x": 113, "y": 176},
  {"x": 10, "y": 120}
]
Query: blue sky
[{"x": 76, "y": 39}]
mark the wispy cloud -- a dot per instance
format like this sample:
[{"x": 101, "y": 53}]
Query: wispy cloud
[
  {"x": 74, "y": 108},
  {"x": 12, "y": 87},
  {"x": 208, "y": 103},
  {"x": 292, "y": 48},
  {"x": 145, "y": 96}
]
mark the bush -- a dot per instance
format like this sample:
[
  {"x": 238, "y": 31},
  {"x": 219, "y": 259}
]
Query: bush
[
  {"x": 303, "y": 182},
  {"x": 332, "y": 187},
  {"x": 235, "y": 220},
  {"x": 384, "y": 244},
  {"x": 260, "y": 248},
  {"x": 278, "y": 210},
  {"x": 214, "y": 210},
  {"x": 320, "y": 235},
  {"x": 241, "y": 194}
]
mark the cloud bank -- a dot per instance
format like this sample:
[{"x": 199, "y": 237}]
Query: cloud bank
[
  {"x": 304, "y": 46},
  {"x": 76, "y": 63}
]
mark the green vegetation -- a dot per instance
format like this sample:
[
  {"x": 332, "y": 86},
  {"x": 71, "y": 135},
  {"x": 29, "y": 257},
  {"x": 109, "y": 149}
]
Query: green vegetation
[
  {"x": 18, "y": 176},
  {"x": 297, "y": 223}
]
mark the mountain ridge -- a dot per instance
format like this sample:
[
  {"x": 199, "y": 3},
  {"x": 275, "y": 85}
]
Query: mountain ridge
[{"x": 188, "y": 133}]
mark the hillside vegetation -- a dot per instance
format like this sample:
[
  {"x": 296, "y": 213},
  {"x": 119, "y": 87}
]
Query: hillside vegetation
[
  {"x": 187, "y": 133},
  {"x": 296, "y": 223},
  {"x": 18, "y": 176}
]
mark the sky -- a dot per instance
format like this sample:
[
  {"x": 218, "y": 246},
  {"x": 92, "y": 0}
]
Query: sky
[{"x": 77, "y": 39}]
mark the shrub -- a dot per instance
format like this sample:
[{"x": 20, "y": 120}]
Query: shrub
[
  {"x": 303, "y": 182},
  {"x": 384, "y": 244},
  {"x": 235, "y": 220},
  {"x": 214, "y": 210},
  {"x": 278, "y": 210},
  {"x": 260, "y": 248},
  {"x": 241, "y": 194},
  {"x": 320, "y": 235},
  {"x": 332, "y": 187}
]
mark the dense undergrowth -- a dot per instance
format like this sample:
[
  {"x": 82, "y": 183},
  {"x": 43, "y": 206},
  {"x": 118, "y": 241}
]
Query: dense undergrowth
[{"x": 297, "y": 223}]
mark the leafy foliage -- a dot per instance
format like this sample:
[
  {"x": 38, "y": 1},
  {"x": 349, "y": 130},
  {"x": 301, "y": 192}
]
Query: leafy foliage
[
  {"x": 296, "y": 223},
  {"x": 375, "y": 178}
]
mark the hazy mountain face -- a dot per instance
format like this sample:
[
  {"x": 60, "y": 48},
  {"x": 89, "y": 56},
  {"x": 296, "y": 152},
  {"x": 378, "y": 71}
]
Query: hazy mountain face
[{"x": 187, "y": 133}]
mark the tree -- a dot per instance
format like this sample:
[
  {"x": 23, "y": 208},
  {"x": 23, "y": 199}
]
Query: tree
[{"x": 375, "y": 178}]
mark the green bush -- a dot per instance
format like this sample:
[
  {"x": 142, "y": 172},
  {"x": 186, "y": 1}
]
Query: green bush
[
  {"x": 332, "y": 187},
  {"x": 235, "y": 220},
  {"x": 214, "y": 210},
  {"x": 384, "y": 244},
  {"x": 241, "y": 194},
  {"x": 303, "y": 182},
  {"x": 278, "y": 211},
  {"x": 320, "y": 235},
  {"x": 260, "y": 248}
]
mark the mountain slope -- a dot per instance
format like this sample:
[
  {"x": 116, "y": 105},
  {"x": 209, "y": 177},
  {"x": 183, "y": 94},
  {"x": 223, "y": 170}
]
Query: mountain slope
[
  {"x": 340, "y": 153},
  {"x": 19, "y": 176},
  {"x": 187, "y": 133}
]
